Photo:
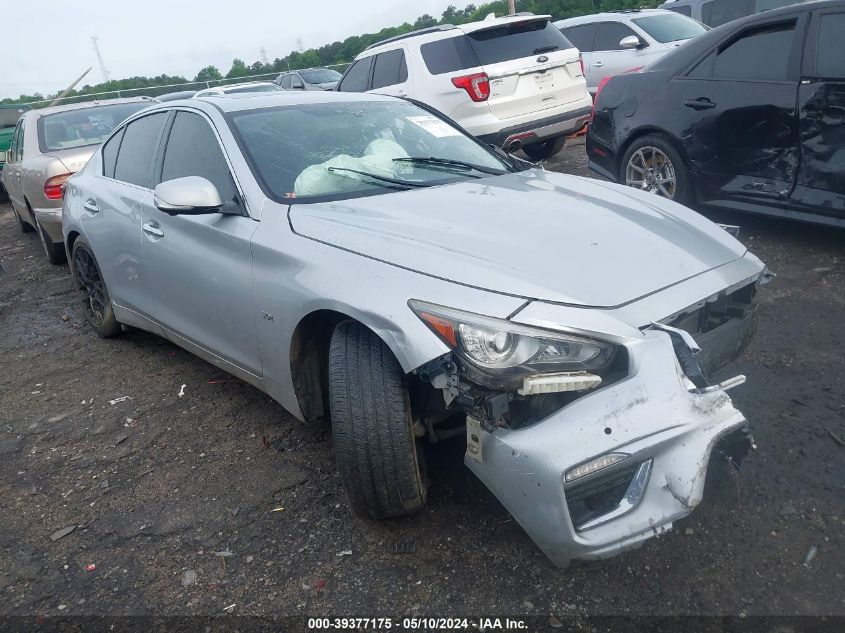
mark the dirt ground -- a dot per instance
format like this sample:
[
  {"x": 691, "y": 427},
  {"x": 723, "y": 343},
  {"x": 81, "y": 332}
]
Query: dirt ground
[{"x": 188, "y": 491}]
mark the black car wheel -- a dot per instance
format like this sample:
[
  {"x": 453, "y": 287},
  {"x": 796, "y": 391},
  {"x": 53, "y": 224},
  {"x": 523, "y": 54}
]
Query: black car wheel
[
  {"x": 382, "y": 467},
  {"x": 96, "y": 303},
  {"x": 652, "y": 164},
  {"x": 545, "y": 149}
]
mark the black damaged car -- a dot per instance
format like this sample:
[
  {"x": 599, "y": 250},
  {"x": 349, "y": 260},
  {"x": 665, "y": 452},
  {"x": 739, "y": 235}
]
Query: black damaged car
[{"x": 749, "y": 116}]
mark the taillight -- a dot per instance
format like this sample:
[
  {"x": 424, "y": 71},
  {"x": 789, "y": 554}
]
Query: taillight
[
  {"x": 477, "y": 85},
  {"x": 601, "y": 85},
  {"x": 54, "y": 188},
  {"x": 581, "y": 61}
]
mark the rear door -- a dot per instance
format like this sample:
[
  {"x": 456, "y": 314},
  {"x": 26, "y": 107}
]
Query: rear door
[
  {"x": 583, "y": 38},
  {"x": 531, "y": 66},
  {"x": 821, "y": 101},
  {"x": 198, "y": 268},
  {"x": 740, "y": 105},
  {"x": 390, "y": 73}
]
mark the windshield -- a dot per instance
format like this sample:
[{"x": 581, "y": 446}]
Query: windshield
[
  {"x": 331, "y": 151},
  {"x": 670, "y": 27},
  {"x": 320, "y": 75},
  {"x": 85, "y": 126},
  {"x": 255, "y": 88}
]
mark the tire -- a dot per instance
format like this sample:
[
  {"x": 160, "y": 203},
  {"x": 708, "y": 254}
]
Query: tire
[
  {"x": 380, "y": 464},
  {"x": 55, "y": 252},
  {"x": 25, "y": 227},
  {"x": 96, "y": 304},
  {"x": 545, "y": 149},
  {"x": 653, "y": 149}
]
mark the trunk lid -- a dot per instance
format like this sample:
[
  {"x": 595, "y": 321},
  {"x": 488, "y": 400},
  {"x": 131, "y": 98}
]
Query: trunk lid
[
  {"x": 74, "y": 159},
  {"x": 535, "y": 235}
]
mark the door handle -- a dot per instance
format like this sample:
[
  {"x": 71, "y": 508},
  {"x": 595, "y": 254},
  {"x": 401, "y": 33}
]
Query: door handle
[
  {"x": 702, "y": 103},
  {"x": 598, "y": 64},
  {"x": 151, "y": 228},
  {"x": 90, "y": 205}
]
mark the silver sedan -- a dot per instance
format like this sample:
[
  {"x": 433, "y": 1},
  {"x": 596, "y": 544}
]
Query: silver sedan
[{"x": 358, "y": 257}]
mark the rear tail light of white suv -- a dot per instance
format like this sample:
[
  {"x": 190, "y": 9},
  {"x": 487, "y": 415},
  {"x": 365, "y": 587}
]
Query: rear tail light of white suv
[{"x": 477, "y": 85}]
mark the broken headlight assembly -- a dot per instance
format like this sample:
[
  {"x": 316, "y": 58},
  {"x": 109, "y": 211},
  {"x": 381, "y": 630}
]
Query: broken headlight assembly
[{"x": 499, "y": 354}]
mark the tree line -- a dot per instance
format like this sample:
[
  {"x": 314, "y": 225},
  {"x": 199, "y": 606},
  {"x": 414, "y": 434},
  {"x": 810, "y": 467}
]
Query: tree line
[{"x": 345, "y": 51}]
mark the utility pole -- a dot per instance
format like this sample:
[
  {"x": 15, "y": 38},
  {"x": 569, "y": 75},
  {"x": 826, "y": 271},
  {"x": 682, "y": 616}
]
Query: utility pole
[
  {"x": 106, "y": 76},
  {"x": 511, "y": 7}
]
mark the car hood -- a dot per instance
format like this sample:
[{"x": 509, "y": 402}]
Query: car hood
[
  {"x": 536, "y": 235},
  {"x": 73, "y": 159}
]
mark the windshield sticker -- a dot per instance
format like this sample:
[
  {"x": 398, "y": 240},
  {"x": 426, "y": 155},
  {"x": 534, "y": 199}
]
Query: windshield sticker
[{"x": 434, "y": 126}]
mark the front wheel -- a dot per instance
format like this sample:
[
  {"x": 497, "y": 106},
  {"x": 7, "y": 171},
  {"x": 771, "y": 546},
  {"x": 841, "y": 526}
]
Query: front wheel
[
  {"x": 544, "y": 149},
  {"x": 96, "y": 303},
  {"x": 378, "y": 456},
  {"x": 652, "y": 164}
]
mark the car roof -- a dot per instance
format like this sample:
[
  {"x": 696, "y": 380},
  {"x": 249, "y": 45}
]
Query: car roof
[
  {"x": 89, "y": 104},
  {"x": 612, "y": 16},
  {"x": 258, "y": 100}
]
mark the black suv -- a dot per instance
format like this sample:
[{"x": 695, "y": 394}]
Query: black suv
[{"x": 749, "y": 116}]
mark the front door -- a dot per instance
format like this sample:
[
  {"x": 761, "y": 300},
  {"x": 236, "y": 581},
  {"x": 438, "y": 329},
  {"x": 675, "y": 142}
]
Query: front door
[
  {"x": 198, "y": 268},
  {"x": 740, "y": 102},
  {"x": 821, "y": 100}
]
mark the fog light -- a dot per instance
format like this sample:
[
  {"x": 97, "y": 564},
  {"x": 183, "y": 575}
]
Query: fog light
[{"x": 594, "y": 465}]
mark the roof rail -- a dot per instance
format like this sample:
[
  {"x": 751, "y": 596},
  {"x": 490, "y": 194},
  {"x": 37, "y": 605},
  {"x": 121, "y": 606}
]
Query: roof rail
[{"x": 431, "y": 29}]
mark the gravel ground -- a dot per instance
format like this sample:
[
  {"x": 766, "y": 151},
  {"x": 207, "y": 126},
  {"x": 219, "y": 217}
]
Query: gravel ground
[{"x": 187, "y": 502}]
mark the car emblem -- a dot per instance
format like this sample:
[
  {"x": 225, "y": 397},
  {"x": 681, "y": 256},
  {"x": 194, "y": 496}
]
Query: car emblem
[{"x": 542, "y": 58}]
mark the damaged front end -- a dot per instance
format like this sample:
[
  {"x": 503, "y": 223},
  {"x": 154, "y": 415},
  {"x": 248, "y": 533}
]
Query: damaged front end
[{"x": 593, "y": 446}]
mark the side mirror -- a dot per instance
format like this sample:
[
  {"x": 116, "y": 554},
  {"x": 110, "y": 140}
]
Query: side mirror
[
  {"x": 191, "y": 195},
  {"x": 2, "y": 157},
  {"x": 632, "y": 41}
]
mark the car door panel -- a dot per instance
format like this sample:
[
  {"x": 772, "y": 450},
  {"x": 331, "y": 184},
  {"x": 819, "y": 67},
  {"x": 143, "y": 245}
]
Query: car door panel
[
  {"x": 198, "y": 268},
  {"x": 821, "y": 101}
]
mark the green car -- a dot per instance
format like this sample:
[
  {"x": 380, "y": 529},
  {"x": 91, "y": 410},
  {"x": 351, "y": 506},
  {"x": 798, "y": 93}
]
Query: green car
[{"x": 9, "y": 115}]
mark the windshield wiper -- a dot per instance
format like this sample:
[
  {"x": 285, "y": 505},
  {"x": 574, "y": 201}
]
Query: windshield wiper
[
  {"x": 546, "y": 49},
  {"x": 448, "y": 162},
  {"x": 395, "y": 181}
]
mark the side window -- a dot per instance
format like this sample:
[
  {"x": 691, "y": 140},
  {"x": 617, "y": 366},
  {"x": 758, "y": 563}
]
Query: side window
[
  {"x": 358, "y": 77},
  {"x": 581, "y": 36},
  {"x": 830, "y": 58},
  {"x": 285, "y": 83},
  {"x": 761, "y": 53},
  {"x": 296, "y": 82},
  {"x": 390, "y": 69},
  {"x": 110, "y": 153},
  {"x": 718, "y": 12},
  {"x": 448, "y": 55},
  {"x": 610, "y": 34},
  {"x": 21, "y": 142},
  {"x": 193, "y": 150},
  {"x": 138, "y": 150},
  {"x": 13, "y": 148}
]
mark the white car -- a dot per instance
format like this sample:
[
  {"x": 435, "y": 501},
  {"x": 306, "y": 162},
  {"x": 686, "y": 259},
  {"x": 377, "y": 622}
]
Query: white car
[
  {"x": 231, "y": 89},
  {"x": 508, "y": 81},
  {"x": 616, "y": 42}
]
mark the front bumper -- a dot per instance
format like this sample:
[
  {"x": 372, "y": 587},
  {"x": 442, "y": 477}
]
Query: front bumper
[
  {"x": 51, "y": 221},
  {"x": 535, "y": 131},
  {"x": 652, "y": 416}
]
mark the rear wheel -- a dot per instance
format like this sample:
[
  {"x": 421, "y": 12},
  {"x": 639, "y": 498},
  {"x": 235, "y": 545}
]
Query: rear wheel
[
  {"x": 652, "y": 164},
  {"x": 544, "y": 149},
  {"x": 25, "y": 227},
  {"x": 96, "y": 303},
  {"x": 378, "y": 456}
]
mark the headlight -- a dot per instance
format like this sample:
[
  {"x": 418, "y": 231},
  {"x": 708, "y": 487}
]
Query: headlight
[{"x": 503, "y": 348}]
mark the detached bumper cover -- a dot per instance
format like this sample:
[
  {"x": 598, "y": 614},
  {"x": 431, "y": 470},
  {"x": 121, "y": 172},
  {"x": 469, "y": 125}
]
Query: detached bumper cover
[{"x": 652, "y": 416}]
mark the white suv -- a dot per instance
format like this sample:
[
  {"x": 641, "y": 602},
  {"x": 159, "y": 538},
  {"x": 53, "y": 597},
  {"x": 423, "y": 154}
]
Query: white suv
[
  {"x": 616, "y": 42},
  {"x": 515, "y": 78}
]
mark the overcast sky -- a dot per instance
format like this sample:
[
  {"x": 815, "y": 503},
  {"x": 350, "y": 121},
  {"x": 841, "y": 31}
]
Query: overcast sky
[{"x": 47, "y": 43}]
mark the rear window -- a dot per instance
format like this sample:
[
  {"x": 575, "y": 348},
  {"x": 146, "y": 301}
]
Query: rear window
[
  {"x": 516, "y": 41},
  {"x": 85, "y": 126},
  {"x": 320, "y": 75},
  {"x": 830, "y": 61},
  {"x": 670, "y": 27}
]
